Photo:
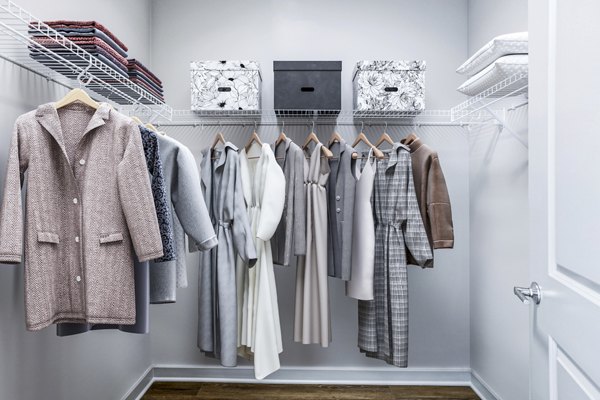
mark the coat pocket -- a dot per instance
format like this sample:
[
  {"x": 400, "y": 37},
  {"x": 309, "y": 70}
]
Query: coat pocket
[
  {"x": 48, "y": 237},
  {"x": 111, "y": 238}
]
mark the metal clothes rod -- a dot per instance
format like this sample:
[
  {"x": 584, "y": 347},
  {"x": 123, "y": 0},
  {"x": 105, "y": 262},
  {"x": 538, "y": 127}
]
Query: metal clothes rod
[{"x": 198, "y": 124}]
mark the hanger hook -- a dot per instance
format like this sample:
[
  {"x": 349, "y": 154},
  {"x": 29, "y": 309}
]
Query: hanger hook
[
  {"x": 282, "y": 125},
  {"x": 313, "y": 126},
  {"x": 385, "y": 128},
  {"x": 362, "y": 126},
  {"x": 255, "y": 126}
]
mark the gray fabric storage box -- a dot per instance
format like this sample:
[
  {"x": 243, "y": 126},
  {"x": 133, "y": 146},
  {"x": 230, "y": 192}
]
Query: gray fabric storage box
[
  {"x": 389, "y": 86},
  {"x": 307, "y": 85},
  {"x": 225, "y": 85}
]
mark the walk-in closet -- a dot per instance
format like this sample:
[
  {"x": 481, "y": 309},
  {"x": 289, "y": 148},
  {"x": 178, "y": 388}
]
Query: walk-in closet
[{"x": 299, "y": 199}]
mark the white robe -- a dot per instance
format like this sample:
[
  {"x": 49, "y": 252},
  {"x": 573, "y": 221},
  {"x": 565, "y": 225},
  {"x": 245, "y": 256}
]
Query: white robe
[{"x": 259, "y": 331}]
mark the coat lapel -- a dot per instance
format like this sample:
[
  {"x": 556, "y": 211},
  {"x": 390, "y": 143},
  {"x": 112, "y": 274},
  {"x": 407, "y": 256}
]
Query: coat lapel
[
  {"x": 223, "y": 156},
  {"x": 47, "y": 116},
  {"x": 98, "y": 119}
]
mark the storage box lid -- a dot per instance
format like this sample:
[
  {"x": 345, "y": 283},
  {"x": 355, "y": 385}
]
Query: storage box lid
[
  {"x": 307, "y": 65},
  {"x": 399, "y": 65},
  {"x": 232, "y": 65}
]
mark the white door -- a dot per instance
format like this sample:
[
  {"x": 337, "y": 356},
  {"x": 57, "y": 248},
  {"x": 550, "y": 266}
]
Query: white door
[{"x": 564, "y": 185}]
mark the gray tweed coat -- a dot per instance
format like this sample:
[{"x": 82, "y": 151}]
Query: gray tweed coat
[{"x": 89, "y": 206}]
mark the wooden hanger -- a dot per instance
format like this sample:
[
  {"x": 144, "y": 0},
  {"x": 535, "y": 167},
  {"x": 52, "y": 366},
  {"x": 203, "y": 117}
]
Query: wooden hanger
[
  {"x": 74, "y": 95},
  {"x": 336, "y": 137},
  {"x": 362, "y": 138},
  {"x": 281, "y": 137},
  {"x": 218, "y": 138},
  {"x": 312, "y": 137},
  {"x": 384, "y": 138},
  {"x": 151, "y": 127},
  {"x": 253, "y": 139},
  {"x": 137, "y": 120},
  {"x": 154, "y": 129}
]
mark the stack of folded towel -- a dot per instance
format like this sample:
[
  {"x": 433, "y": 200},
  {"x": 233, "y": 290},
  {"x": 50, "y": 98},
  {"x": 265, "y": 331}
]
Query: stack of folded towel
[
  {"x": 98, "y": 41},
  {"x": 143, "y": 77},
  {"x": 501, "y": 58}
]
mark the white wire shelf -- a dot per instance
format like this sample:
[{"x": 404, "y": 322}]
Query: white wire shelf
[
  {"x": 474, "y": 107},
  {"x": 291, "y": 117},
  {"x": 68, "y": 64}
]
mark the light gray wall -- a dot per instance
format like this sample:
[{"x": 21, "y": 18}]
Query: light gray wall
[
  {"x": 489, "y": 18},
  {"x": 310, "y": 29},
  {"x": 36, "y": 365},
  {"x": 498, "y": 227}
]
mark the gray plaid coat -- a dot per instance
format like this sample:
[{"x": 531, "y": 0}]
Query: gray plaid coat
[
  {"x": 89, "y": 206},
  {"x": 383, "y": 322}
]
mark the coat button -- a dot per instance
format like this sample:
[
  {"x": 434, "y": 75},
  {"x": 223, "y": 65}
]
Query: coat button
[
  {"x": 338, "y": 210},
  {"x": 82, "y": 161},
  {"x": 78, "y": 278},
  {"x": 338, "y": 198},
  {"x": 75, "y": 200},
  {"x": 77, "y": 239}
]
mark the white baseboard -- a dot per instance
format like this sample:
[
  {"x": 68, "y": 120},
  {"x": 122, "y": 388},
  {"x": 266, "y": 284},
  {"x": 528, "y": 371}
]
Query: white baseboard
[
  {"x": 482, "y": 389},
  {"x": 299, "y": 375},
  {"x": 141, "y": 386}
]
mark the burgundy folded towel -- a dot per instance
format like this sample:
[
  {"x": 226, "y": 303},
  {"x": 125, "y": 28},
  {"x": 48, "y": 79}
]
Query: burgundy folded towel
[
  {"x": 136, "y": 71},
  {"x": 86, "y": 24},
  {"x": 144, "y": 85},
  {"x": 132, "y": 63},
  {"x": 82, "y": 40}
]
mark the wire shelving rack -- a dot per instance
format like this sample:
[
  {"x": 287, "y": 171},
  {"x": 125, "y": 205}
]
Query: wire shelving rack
[{"x": 68, "y": 64}]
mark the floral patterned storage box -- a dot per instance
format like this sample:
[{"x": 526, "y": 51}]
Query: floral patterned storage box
[
  {"x": 225, "y": 85},
  {"x": 389, "y": 86}
]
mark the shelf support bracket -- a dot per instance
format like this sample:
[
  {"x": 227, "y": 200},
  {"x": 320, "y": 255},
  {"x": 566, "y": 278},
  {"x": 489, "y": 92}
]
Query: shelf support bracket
[{"x": 503, "y": 125}]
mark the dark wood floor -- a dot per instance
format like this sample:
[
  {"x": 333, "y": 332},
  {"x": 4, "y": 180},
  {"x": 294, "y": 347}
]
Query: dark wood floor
[{"x": 245, "y": 391}]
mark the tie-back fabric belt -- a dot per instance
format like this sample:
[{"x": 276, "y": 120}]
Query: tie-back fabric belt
[
  {"x": 395, "y": 224},
  {"x": 225, "y": 224}
]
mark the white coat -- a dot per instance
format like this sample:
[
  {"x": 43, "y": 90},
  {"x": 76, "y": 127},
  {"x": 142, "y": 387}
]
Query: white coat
[{"x": 259, "y": 331}]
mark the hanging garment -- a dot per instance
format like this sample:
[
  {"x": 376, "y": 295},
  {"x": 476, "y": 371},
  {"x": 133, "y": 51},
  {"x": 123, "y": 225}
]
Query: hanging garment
[
  {"x": 189, "y": 214},
  {"x": 290, "y": 238},
  {"x": 312, "y": 322},
  {"x": 259, "y": 330},
  {"x": 89, "y": 205},
  {"x": 340, "y": 209},
  {"x": 360, "y": 286},
  {"x": 432, "y": 195},
  {"x": 217, "y": 303},
  {"x": 141, "y": 271},
  {"x": 383, "y": 322}
]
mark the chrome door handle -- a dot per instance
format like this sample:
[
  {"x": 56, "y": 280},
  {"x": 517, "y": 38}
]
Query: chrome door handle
[{"x": 533, "y": 292}]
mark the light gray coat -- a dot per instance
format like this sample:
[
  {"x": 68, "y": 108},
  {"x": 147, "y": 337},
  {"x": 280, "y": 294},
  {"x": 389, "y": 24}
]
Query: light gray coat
[
  {"x": 89, "y": 206},
  {"x": 290, "y": 238},
  {"x": 190, "y": 215},
  {"x": 341, "y": 189},
  {"x": 217, "y": 304}
]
